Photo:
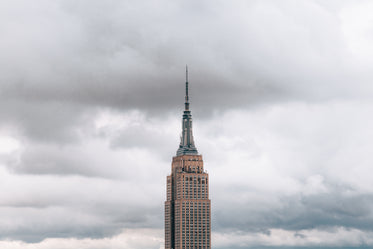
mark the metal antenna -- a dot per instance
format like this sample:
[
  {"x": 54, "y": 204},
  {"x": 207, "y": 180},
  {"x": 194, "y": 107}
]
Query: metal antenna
[{"x": 186, "y": 89}]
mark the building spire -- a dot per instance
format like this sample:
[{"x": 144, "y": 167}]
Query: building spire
[
  {"x": 187, "y": 146},
  {"x": 186, "y": 89}
]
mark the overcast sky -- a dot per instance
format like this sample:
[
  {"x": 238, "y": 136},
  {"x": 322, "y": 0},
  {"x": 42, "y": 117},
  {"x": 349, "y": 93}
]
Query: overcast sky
[{"x": 91, "y": 99}]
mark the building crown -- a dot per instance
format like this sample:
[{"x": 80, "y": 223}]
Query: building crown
[{"x": 187, "y": 146}]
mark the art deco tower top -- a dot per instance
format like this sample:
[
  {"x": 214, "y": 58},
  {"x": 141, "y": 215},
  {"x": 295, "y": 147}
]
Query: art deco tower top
[{"x": 187, "y": 146}]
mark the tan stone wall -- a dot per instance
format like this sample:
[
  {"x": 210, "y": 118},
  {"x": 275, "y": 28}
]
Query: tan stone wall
[{"x": 188, "y": 194}]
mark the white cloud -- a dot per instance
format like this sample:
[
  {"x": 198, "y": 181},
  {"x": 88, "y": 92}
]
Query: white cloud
[
  {"x": 127, "y": 239},
  {"x": 8, "y": 144}
]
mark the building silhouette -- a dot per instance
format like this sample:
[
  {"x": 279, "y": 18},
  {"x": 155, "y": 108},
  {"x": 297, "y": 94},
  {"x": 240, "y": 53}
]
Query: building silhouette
[{"x": 188, "y": 207}]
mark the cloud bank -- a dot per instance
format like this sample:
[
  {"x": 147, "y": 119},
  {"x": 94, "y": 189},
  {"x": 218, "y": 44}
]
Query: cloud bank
[{"x": 91, "y": 96}]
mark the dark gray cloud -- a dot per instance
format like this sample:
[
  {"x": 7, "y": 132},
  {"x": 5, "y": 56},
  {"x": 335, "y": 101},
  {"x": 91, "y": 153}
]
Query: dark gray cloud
[
  {"x": 109, "y": 55},
  {"x": 38, "y": 207},
  {"x": 297, "y": 212}
]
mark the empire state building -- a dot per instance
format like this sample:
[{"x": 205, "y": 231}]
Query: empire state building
[{"x": 187, "y": 208}]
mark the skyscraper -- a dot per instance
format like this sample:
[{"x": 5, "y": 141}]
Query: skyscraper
[{"x": 187, "y": 208}]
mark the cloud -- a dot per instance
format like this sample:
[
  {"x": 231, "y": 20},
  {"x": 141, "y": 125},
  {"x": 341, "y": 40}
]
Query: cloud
[
  {"x": 278, "y": 238},
  {"x": 128, "y": 238},
  {"x": 298, "y": 175},
  {"x": 90, "y": 104},
  {"x": 72, "y": 58},
  {"x": 152, "y": 238},
  {"x": 36, "y": 207}
]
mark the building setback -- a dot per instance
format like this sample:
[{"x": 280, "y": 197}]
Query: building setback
[{"x": 188, "y": 207}]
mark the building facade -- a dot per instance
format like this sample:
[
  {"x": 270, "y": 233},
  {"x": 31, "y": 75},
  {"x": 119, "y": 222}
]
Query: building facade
[{"x": 188, "y": 207}]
